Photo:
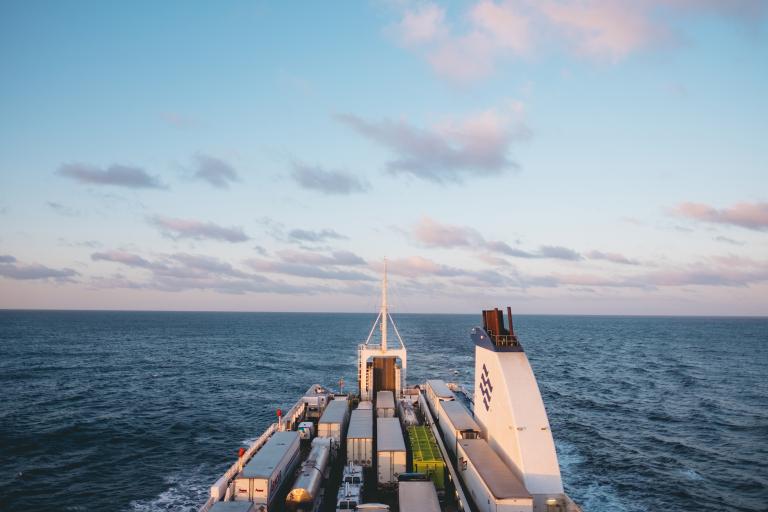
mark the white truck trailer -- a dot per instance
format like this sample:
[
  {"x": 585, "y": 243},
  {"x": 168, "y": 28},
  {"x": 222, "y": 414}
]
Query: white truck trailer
[
  {"x": 268, "y": 470},
  {"x": 391, "y": 456},
  {"x": 417, "y": 496},
  {"x": 360, "y": 438},
  {"x": 492, "y": 484},
  {"x": 457, "y": 423},
  {"x": 385, "y": 404},
  {"x": 334, "y": 420},
  {"x": 438, "y": 391}
]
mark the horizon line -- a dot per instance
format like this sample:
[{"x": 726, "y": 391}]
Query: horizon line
[{"x": 373, "y": 313}]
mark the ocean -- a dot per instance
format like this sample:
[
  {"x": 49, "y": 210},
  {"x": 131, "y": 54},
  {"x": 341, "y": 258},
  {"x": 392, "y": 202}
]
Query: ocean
[{"x": 143, "y": 411}]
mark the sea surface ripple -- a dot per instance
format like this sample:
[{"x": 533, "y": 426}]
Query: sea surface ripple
[{"x": 143, "y": 411}]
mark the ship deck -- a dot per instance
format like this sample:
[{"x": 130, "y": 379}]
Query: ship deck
[{"x": 453, "y": 498}]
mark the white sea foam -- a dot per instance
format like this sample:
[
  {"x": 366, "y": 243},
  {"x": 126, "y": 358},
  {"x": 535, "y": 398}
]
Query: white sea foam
[{"x": 186, "y": 492}]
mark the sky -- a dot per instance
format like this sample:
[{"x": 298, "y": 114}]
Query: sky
[{"x": 558, "y": 156}]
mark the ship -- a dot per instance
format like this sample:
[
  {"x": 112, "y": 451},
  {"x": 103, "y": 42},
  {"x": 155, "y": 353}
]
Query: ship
[{"x": 386, "y": 446}]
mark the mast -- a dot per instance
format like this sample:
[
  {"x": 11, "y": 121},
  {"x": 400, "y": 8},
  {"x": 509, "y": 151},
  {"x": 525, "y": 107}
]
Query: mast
[{"x": 384, "y": 312}]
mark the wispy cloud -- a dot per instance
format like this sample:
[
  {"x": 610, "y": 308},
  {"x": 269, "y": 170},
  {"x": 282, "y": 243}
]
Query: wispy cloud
[
  {"x": 714, "y": 272},
  {"x": 11, "y": 268},
  {"x": 491, "y": 32},
  {"x": 335, "y": 258},
  {"x": 315, "y": 265},
  {"x": 478, "y": 145},
  {"x": 114, "y": 175},
  {"x": 62, "y": 209},
  {"x": 612, "y": 257},
  {"x": 329, "y": 182},
  {"x": 315, "y": 236},
  {"x": 421, "y": 269},
  {"x": 186, "y": 228},
  {"x": 126, "y": 258},
  {"x": 746, "y": 215},
  {"x": 183, "y": 271},
  {"x": 728, "y": 240},
  {"x": 214, "y": 170},
  {"x": 422, "y": 23},
  {"x": 430, "y": 233}
]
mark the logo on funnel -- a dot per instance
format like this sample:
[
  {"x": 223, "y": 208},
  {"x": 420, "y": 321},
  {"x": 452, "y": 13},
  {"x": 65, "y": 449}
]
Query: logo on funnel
[{"x": 486, "y": 388}]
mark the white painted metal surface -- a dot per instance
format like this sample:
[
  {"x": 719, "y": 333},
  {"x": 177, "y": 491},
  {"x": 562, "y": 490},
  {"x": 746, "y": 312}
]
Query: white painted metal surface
[
  {"x": 264, "y": 474},
  {"x": 360, "y": 438},
  {"x": 437, "y": 391},
  {"x": 491, "y": 484},
  {"x": 457, "y": 423},
  {"x": 368, "y": 350},
  {"x": 334, "y": 420},
  {"x": 385, "y": 404},
  {"x": 463, "y": 503},
  {"x": 390, "y": 450},
  {"x": 509, "y": 409},
  {"x": 417, "y": 497}
]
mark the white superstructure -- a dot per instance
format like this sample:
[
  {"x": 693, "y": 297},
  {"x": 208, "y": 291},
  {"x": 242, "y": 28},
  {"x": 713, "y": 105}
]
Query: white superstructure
[
  {"x": 510, "y": 411},
  {"x": 380, "y": 366}
]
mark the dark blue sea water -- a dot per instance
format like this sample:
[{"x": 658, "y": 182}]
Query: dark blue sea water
[{"x": 143, "y": 411}]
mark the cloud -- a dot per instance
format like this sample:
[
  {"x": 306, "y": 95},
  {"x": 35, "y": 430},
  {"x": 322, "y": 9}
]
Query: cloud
[
  {"x": 215, "y": 171},
  {"x": 727, "y": 240},
  {"x": 420, "y": 268},
  {"x": 336, "y": 258},
  {"x": 183, "y": 271},
  {"x": 491, "y": 32},
  {"x": 424, "y": 23},
  {"x": 718, "y": 271},
  {"x": 63, "y": 210},
  {"x": 12, "y": 269},
  {"x": 305, "y": 270},
  {"x": 129, "y": 259},
  {"x": 559, "y": 253},
  {"x": 478, "y": 145},
  {"x": 315, "y": 265},
  {"x": 417, "y": 266},
  {"x": 612, "y": 257},
  {"x": 752, "y": 216},
  {"x": 433, "y": 234},
  {"x": 307, "y": 235},
  {"x": 329, "y": 182},
  {"x": 185, "y": 228},
  {"x": 114, "y": 175}
]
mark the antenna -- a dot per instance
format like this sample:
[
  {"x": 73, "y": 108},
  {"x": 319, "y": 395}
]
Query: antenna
[{"x": 384, "y": 312}]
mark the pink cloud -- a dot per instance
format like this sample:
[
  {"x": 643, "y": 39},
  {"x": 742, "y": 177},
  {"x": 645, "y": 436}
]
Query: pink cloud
[
  {"x": 422, "y": 24},
  {"x": 507, "y": 26},
  {"x": 434, "y": 234},
  {"x": 747, "y": 215},
  {"x": 492, "y": 32},
  {"x": 477, "y": 145}
]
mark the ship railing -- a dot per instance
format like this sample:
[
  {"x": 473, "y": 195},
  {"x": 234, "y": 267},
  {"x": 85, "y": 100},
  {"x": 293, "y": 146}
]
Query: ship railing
[
  {"x": 504, "y": 340},
  {"x": 222, "y": 489},
  {"x": 461, "y": 499},
  {"x": 296, "y": 412}
]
